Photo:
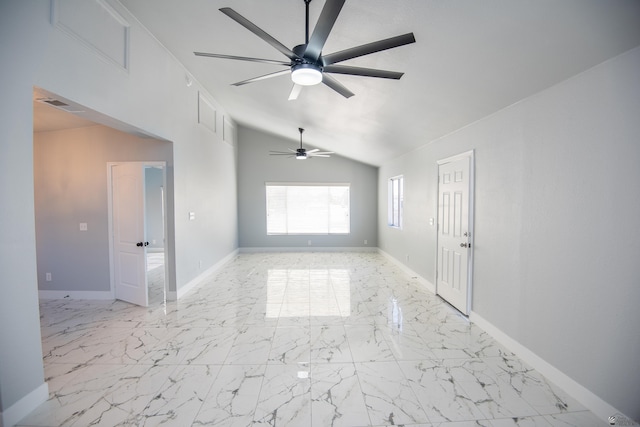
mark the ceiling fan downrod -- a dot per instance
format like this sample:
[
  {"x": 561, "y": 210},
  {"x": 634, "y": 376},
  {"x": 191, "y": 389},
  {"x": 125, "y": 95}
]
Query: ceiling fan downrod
[{"x": 306, "y": 27}]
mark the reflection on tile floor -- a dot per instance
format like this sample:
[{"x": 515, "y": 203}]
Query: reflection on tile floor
[{"x": 293, "y": 339}]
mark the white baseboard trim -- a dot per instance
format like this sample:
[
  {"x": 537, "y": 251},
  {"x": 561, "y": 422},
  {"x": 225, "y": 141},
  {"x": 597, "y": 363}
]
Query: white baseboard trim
[
  {"x": 586, "y": 397},
  {"x": 95, "y": 295},
  {"x": 196, "y": 281},
  {"x": 14, "y": 413},
  {"x": 250, "y": 250},
  {"x": 426, "y": 283}
]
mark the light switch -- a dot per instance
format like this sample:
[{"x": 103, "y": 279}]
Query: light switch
[
  {"x": 192, "y": 216},
  {"x": 83, "y": 226},
  {"x": 431, "y": 221}
]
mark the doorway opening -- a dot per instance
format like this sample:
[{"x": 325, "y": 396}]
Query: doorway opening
[
  {"x": 72, "y": 146},
  {"x": 137, "y": 228}
]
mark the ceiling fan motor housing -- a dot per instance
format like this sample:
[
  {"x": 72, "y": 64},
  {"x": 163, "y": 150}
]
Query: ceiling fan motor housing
[{"x": 301, "y": 154}]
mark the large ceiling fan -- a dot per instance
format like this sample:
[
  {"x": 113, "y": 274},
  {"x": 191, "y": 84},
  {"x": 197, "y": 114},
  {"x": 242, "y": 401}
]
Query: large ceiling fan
[
  {"x": 301, "y": 153},
  {"x": 307, "y": 65}
]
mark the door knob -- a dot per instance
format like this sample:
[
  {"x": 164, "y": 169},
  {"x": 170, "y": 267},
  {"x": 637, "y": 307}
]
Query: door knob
[
  {"x": 140, "y": 244},
  {"x": 465, "y": 245}
]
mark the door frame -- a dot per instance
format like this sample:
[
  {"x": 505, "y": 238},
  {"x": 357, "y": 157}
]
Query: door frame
[
  {"x": 472, "y": 181},
  {"x": 112, "y": 274}
]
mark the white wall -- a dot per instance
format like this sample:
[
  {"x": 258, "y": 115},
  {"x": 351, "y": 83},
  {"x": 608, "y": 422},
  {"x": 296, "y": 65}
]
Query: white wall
[
  {"x": 256, "y": 167},
  {"x": 557, "y": 240},
  {"x": 150, "y": 94}
]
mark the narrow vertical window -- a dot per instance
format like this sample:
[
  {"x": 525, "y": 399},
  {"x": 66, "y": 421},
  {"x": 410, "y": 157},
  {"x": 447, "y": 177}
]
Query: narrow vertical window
[{"x": 396, "y": 200}]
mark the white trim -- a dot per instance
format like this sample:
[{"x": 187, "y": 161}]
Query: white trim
[
  {"x": 91, "y": 295},
  {"x": 426, "y": 283},
  {"x": 198, "y": 280},
  {"x": 270, "y": 249},
  {"x": 457, "y": 157},
  {"x": 577, "y": 391},
  {"x": 14, "y": 413}
]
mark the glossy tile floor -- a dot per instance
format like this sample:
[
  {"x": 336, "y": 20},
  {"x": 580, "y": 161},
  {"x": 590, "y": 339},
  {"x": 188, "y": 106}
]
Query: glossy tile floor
[{"x": 294, "y": 339}]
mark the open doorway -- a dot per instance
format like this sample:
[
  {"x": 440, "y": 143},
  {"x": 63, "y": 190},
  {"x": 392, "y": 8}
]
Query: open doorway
[
  {"x": 72, "y": 146},
  {"x": 136, "y": 231},
  {"x": 155, "y": 231}
]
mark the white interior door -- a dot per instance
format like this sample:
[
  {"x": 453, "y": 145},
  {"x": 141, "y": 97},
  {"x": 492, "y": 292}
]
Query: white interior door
[
  {"x": 454, "y": 231},
  {"x": 129, "y": 243}
]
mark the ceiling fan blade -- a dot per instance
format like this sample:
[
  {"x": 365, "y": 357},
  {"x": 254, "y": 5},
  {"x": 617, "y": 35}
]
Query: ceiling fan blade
[
  {"x": 279, "y": 153},
  {"x": 336, "y": 85},
  {"x": 319, "y": 155},
  {"x": 242, "y": 58},
  {"x": 266, "y": 76},
  {"x": 359, "y": 71},
  {"x": 295, "y": 91},
  {"x": 323, "y": 27},
  {"x": 368, "y": 48},
  {"x": 259, "y": 32},
  {"x": 313, "y": 151}
]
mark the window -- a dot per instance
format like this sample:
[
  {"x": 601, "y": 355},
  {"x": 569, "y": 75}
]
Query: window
[
  {"x": 307, "y": 208},
  {"x": 396, "y": 199}
]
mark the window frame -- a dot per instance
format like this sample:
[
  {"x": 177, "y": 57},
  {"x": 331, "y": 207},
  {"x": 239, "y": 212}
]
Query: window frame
[
  {"x": 328, "y": 185},
  {"x": 395, "y": 202}
]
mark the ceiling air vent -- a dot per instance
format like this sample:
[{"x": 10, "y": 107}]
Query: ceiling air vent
[
  {"x": 59, "y": 104},
  {"x": 56, "y": 103}
]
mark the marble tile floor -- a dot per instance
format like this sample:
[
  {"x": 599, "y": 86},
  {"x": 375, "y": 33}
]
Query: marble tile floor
[{"x": 289, "y": 339}]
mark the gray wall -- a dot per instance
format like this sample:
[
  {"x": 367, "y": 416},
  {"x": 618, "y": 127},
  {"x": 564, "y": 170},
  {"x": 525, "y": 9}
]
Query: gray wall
[
  {"x": 256, "y": 167},
  {"x": 557, "y": 240},
  {"x": 152, "y": 95},
  {"x": 70, "y": 171}
]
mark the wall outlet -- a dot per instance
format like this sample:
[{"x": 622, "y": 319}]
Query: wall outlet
[
  {"x": 309, "y": 242},
  {"x": 200, "y": 264},
  {"x": 47, "y": 277},
  {"x": 365, "y": 242},
  {"x": 83, "y": 226},
  {"x": 407, "y": 257}
]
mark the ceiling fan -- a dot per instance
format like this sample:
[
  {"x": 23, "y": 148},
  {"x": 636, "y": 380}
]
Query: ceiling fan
[
  {"x": 302, "y": 153},
  {"x": 307, "y": 65}
]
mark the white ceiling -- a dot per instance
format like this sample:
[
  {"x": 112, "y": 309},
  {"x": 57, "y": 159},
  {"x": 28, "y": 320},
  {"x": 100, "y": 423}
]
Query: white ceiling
[{"x": 471, "y": 58}]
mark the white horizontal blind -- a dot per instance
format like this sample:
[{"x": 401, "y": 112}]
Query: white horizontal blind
[{"x": 308, "y": 209}]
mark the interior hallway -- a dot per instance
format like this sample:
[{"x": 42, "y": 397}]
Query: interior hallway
[{"x": 289, "y": 339}]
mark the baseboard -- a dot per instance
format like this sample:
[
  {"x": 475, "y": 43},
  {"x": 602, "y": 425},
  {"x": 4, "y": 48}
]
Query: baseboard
[
  {"x": 426, "y": 283},
  {"x": 95, "y": 295},
  {"x": 193, "y": 283},
  {"x": 250, "y": 250},
  {"x": 587, "y": 398},
  {"x": 14, "y": 413}
]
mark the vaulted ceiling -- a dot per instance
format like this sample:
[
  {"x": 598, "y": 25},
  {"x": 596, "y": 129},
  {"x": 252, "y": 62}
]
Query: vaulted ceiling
[{"x": 471, "y": 59}]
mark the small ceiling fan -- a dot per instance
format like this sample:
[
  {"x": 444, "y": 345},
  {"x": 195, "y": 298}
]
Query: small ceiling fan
[
  {"x": 307, "y": 65},
  {"x": 301, "y": 153}
]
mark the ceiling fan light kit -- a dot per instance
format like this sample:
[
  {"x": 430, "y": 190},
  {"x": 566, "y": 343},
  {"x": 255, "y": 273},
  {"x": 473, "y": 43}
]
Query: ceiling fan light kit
[
  {"x": 308, "y": 66},
  {"x": 306, "y": 74}
]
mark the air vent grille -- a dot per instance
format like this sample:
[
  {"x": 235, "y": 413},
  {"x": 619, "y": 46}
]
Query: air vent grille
[{"x": 60, "y": 104}]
